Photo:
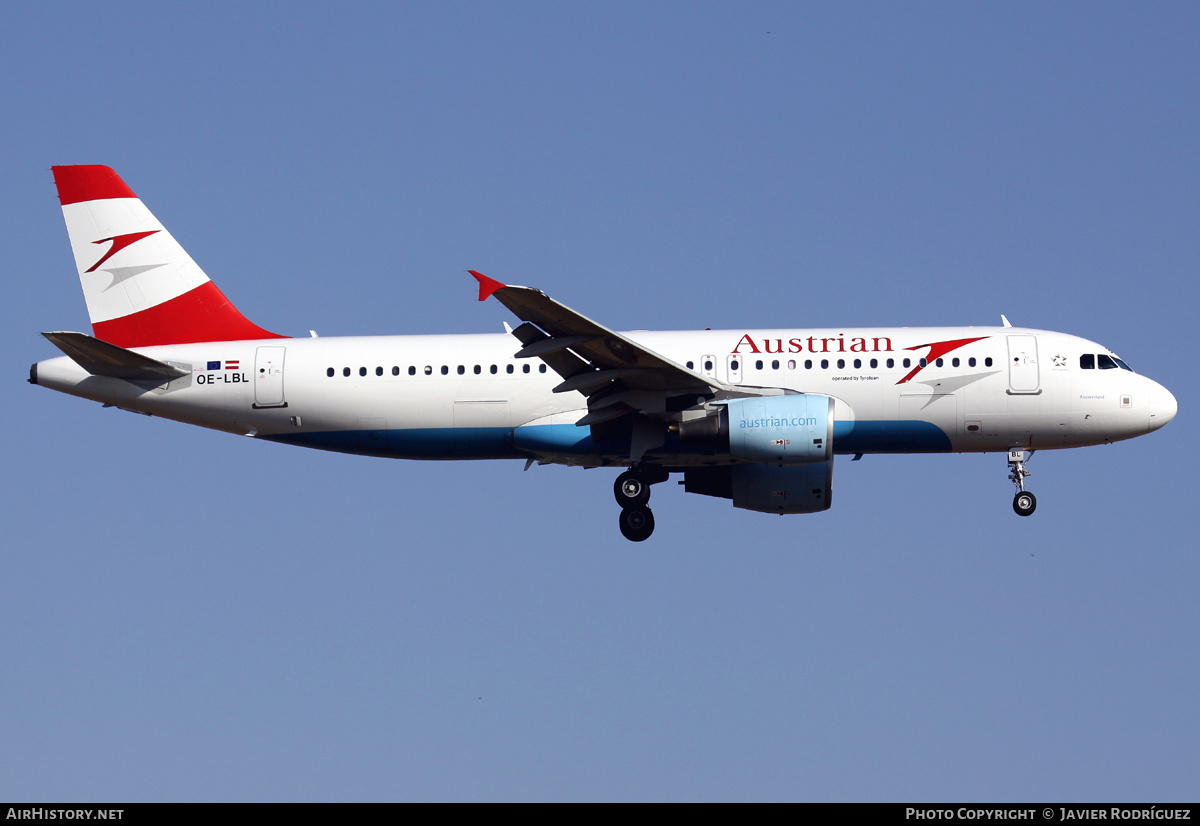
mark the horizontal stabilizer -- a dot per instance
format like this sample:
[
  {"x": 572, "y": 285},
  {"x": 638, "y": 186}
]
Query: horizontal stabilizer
[{"x": 103, "y": 359}]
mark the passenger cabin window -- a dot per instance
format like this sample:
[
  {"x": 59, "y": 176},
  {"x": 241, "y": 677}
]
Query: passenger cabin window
[
  {"x": 775, "y": 364},
  {"x": 808, "y": 364},
  {"x": 478, "y": 369},
  {"x": 708, "y": 365},
  {"x": 362, "y": 371},
  {"x": 445, "y": 370},
  {"x": 987, "y": 362},
  {"x": 429, "y": 369},
  {"x": 891, "y": 363},
  {"x": 971, "y": 361},
  {"x": 758, "y": 364},
  {"x": 691, "y": 365},
  {"x": 541, "y": 368},
  {"x": 412, "y": 371},
  {"x": 857, "y": 364},
  {"x": 508, "y": 368},
  {"x": 524, "y": 368},
  {"x": 824, "y": 364},
  {"x": 379, "y": 371},
  {"x": 329, "y": 372}
]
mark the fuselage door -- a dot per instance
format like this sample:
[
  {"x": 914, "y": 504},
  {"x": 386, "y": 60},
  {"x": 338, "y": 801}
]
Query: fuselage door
[
  {"x": 733, "y": 364},
  {"x": 1023, "y": 364},
  {"x": 268, "y": 377}
]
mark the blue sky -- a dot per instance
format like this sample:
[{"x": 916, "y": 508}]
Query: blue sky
[{"x": 193, "y": 616}]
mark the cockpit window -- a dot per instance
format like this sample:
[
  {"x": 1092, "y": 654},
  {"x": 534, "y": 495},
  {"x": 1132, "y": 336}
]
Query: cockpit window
[{"x": 1088, "y": 362}]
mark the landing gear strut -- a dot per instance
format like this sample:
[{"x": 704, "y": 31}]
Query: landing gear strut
[
  {"x": 632, "y": 492},
  {"x": 1024, "y": 502}
]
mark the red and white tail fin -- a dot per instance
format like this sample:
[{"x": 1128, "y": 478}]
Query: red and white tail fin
[{"x": 141, "y": 287}]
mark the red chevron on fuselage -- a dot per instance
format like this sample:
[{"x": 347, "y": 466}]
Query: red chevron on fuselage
[{"x": 937, "y": 349}]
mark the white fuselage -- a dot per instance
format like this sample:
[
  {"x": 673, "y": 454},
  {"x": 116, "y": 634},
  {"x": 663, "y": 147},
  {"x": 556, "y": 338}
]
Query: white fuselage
[{"x": 467, "y": 397}]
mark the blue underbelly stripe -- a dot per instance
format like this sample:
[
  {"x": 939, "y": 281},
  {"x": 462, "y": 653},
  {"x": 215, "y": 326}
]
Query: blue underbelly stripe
[
  {"x": 567, "y": 439},
  {"x": 889, "y": 437},
  {"x": 428, "y": 443}
]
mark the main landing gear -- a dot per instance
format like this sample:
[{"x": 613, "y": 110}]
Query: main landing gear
[
  {"x": 637, "y": 523},
  {"x": 632, "y": 492},
  {"x": 1024, "y": 502}
]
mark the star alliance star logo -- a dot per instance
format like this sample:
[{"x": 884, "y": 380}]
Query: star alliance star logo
[{"x": 1059, "y": 360}]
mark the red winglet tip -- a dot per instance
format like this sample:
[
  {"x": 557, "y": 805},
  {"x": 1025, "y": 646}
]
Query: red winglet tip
[{"x": 487, "y": 286}]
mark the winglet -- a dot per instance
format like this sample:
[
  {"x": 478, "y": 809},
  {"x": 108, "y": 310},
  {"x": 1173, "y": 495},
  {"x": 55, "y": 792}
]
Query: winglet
[{"x": 487, "y": 286}]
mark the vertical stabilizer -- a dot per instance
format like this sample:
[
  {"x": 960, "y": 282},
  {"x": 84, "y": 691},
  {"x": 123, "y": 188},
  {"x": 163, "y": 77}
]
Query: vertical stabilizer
[{"x": 141, "y": 287}]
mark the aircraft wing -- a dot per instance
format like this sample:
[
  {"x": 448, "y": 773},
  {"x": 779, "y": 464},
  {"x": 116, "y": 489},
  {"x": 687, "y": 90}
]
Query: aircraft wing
[
  {"x": 590, "y": 357},
  {"x": 618, "y": 376}
]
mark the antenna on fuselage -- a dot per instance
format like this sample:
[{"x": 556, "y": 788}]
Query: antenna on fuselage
[{"x": 1004, "y": 318}]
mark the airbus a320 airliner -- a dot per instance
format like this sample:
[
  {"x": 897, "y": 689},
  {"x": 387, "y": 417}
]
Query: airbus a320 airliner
[{"x": 754, "y": 416}]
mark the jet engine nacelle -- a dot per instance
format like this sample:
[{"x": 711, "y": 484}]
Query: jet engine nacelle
[
  {"x": 769, "y": 430},
  {"x": 802, "y": 489}
]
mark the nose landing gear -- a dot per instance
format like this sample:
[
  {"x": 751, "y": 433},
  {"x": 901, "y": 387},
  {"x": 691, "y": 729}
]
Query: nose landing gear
[
  {"x": 1024, "y": 502},
  {"x": 632, "y": 492}
]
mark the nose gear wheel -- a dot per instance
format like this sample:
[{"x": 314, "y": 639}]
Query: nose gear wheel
[{"x": 1024, "y": 502}]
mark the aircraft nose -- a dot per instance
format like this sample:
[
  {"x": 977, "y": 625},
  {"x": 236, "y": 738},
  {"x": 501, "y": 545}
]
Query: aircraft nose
[{"x": 1163, "y": 407}]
